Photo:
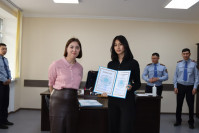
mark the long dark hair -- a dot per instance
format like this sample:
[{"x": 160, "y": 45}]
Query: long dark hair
[{"x": 127, "y": 52}]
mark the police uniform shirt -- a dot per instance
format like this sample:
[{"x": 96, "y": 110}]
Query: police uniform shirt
[
  {"x": 149, "y": 73},
  {"x": 191, "y": 75}
]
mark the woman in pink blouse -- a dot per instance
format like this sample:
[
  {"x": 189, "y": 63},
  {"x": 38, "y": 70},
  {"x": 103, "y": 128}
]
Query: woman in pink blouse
[{"x": 65, "y": 76}]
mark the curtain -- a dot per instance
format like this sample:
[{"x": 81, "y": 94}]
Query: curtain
[{"x": 18, "y": 44}]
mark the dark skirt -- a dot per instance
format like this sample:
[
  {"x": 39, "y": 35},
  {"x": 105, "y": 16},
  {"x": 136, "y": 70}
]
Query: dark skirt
[{"x": 64, "y": 108}]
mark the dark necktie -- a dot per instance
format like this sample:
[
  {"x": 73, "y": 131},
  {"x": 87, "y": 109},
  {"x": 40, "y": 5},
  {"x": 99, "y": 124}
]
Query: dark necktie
[
  {"x": 5, "y": 66},
  {"x": 155, "y": 70},
  {"x": 185, "y": 72}
]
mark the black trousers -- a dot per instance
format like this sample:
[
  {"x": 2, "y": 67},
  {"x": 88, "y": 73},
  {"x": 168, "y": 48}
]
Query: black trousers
[
  {"x": 4, "y": 102},
  {"x": 182, "y": 92},
  {"x": 159, "y": 89},
  {"x": 121, "y": 114},
  {"x": 64, "y": 108}
]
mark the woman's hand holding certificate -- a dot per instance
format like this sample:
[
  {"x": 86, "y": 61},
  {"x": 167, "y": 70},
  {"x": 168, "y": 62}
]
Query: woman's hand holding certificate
[
  {"x": 113, "y": 83},
  {"x": 129, "y": 87}
]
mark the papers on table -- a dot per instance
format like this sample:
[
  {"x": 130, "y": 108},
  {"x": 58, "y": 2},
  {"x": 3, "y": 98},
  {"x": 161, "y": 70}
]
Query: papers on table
[
  {"x": 112, "y": 82},
  {"x": 145, "y": 94},
  {"x": 89, "y": 103}
]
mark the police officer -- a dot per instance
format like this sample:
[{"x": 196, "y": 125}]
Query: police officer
[
  {"x": 155, "y": 73},
  {"x": 185, "y": 84},
  {"x": 5, "y": 79}
]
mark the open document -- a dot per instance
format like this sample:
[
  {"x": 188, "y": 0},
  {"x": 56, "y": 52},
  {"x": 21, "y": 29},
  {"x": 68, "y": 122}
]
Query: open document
[{"x": 112, "y": 82}]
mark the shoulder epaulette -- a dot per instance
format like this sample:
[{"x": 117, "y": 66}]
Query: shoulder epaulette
[
  {"x": 162, "y": 64},
  {"x": 193, "y": 61},
  {"x": 149, "y": 64},
  {"x": 179, "y": 61}
]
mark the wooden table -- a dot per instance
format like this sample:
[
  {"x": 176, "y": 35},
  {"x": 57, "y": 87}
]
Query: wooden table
[{"x": 95, "y": 119}]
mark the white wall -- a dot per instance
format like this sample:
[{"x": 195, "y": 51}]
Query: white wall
[
  {"x": 44, "y": 39},
  {"x": 11, "y": 107}
]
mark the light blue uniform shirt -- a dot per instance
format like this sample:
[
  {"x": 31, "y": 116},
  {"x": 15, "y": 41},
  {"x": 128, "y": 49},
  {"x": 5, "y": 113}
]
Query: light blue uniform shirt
[
  {"x": 3, "y": 74},
  {"x": 192, "y": 74},
  {"x": 148, "y": 73}
]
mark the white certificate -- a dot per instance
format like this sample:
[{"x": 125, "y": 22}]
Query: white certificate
[
  {"x": 112, "y": 82},
  {"x": 105, "y": 80},
  {"x": 121, "y": 83}
]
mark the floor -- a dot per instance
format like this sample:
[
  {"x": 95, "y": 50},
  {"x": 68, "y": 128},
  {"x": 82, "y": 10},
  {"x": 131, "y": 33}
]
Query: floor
[{"x": 28, "y": 121}]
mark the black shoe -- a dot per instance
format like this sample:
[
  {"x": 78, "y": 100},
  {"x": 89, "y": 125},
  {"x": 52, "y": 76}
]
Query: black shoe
[
  {"x": 191, "y": 126},
  {"x": 177, "y": 124},
  {"x": 3, "y": 126},
  {"x": 8, "y": 123}
]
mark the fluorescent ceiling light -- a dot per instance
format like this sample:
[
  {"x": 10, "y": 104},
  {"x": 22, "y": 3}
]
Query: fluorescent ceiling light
[
  {"x": 67, "y": 1},
  {"x": 181, "y": 4}
]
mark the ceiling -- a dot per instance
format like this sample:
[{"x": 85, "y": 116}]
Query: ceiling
[{"x": 152, "y": 10}]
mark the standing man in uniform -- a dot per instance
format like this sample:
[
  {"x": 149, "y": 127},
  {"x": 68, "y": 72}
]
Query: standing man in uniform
[
  {"x": 5, "y": 80},
  {"x": 185, "y": 84},
  {"x": 155, "y": 73}
]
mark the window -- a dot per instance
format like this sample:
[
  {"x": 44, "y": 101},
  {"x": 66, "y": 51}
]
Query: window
[
  {"x": 1, "y": 26},
  {"x": 8, "y": 29}
]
